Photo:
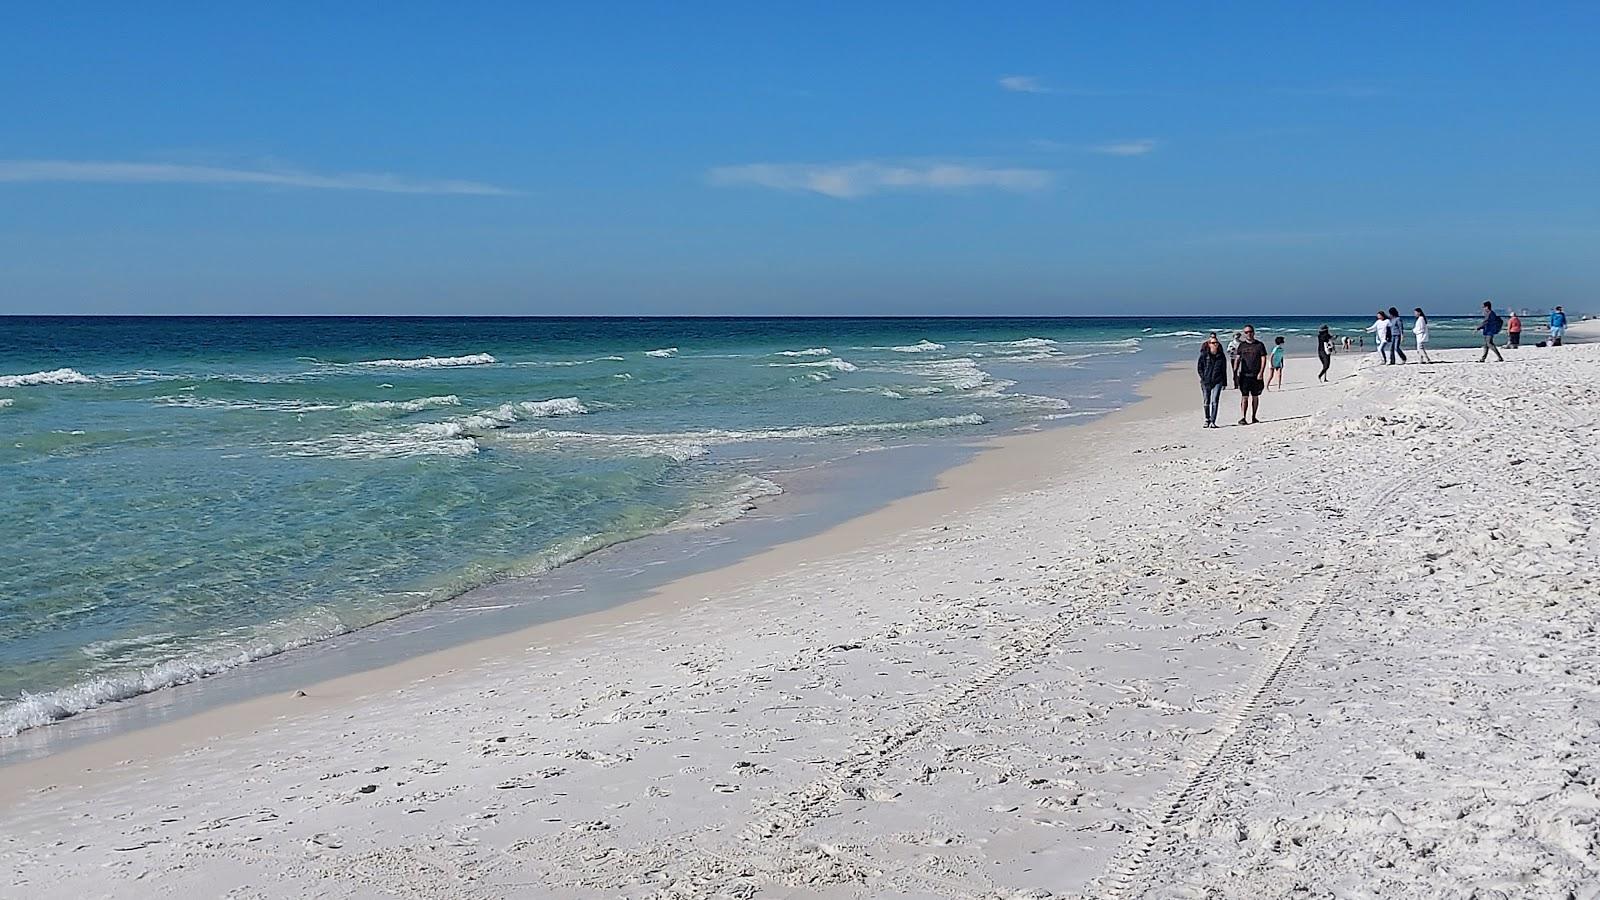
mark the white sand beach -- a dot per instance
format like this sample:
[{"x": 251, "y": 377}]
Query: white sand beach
[{"x": 1349, "y": 652}]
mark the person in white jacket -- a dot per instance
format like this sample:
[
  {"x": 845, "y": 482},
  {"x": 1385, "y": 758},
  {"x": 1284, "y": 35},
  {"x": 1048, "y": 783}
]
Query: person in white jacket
[
  {"x": 1419, "y": 331},
  {"x": 1380, "y": 336}
]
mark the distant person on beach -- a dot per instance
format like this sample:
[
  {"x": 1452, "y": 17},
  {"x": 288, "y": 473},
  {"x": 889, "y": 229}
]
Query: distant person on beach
[
  {"x": 1397, "y": 336},
  {"x": 1514, "y": 330},
  {"x": 1558, "y": 326},
  {"x": 1249, "y": 366},
  {"x": 1276, "y": 372},
  {"x": 1419, "y": 330},
  {"x": 1489, "y": 327},
  {"x": 1325, "y": 351},
  {"x": 1380, "y": 336},
  {"x": 1213, "y": 370}
]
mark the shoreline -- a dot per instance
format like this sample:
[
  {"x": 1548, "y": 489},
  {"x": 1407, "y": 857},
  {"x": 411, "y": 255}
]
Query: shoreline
[
  {"x": 1149, "y": 658},
  {"x": 995, "y": 464}
]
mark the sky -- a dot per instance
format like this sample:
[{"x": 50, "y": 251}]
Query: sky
[{"x": 798, "y": 159}]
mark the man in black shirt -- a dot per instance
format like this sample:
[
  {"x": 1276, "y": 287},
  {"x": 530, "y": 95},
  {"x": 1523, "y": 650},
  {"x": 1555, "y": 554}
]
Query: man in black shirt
[{"x": 1249, "y": 367}]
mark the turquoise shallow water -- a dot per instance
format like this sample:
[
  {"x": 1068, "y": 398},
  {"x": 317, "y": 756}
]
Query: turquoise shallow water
[{"x": 182, "y": 496}]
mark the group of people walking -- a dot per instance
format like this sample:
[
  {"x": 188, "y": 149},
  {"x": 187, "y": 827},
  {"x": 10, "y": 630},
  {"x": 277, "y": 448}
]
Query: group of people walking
[
  {"x": 1253, "y": 368},
  {"x": 1389, "y": 332}
]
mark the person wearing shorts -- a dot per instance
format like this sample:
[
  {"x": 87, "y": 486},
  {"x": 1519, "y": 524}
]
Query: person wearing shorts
[{"x": 1249, "y": 371}]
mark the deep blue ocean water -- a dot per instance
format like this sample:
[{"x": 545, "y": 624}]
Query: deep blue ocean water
[{"x": 185, "y": 495}]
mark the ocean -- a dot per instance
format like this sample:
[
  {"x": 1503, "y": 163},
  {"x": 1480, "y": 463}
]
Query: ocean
[{"x": 183, "y": 496}]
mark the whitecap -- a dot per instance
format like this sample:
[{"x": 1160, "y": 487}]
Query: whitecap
[
  {"x": 663, "y": 353},
  {"x": 54, "y": 376},
  {"x": 5, "y": 402},
  {"x": 814, "y": 351},
  {"x": 431, "y": 362}
]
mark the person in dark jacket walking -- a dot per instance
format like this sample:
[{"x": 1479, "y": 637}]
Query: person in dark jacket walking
[
  {"x": 1325, "y": 351},
  {"x": 1489, "y": 327},
  {"x": 1213, "y": 370}
]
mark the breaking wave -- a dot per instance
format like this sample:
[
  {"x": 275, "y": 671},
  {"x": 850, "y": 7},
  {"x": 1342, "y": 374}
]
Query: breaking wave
[
  {"x": 431, "y": 362},
  {"x": 919, "y": 347},
  {"x": 832, "y": 362},
  {"x": 417, "y": 405},
  {"x": 54, "y": 376}
]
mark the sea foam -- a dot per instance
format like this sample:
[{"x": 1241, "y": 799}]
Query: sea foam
[
  {"x": 687, "y": 445},
  {"x": 54, "y": 376},
  {"x": 923, "y": 346},
  {"x": 663, "y": 353},
  {"x": 33, "y": 710}
]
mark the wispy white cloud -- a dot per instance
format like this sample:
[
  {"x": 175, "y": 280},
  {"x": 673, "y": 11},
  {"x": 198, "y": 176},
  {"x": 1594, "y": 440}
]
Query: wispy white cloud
[
  {"x": 1134, "y": 147},
  {"x": 23, "y": 170},
  {"x": 858, "y": 179},
  {"x": 1024, "y": 84}
]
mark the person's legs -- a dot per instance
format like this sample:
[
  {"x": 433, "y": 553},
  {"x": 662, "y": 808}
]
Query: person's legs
[
  {"x": 1326, "y": 362},
  {"x": 1399, "y": 347},
  {"x": 1255, "y": 407}
]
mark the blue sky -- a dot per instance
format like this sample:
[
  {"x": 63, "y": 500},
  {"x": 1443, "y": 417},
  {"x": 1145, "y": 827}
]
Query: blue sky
[{"x": 826, "y": 158}]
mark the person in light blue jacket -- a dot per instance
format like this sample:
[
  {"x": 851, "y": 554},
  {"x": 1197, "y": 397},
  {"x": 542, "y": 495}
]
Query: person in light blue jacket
[{"x": 1558, "y": 326}]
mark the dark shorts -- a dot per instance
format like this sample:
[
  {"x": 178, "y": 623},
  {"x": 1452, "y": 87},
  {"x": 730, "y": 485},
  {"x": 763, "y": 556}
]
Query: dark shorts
[{"x": 1249, "y": 385}]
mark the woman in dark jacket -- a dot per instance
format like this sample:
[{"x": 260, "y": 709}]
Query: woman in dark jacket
[
  {"x": 1213, "y": 370},
  {"x": 1324, "y": 351}
]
